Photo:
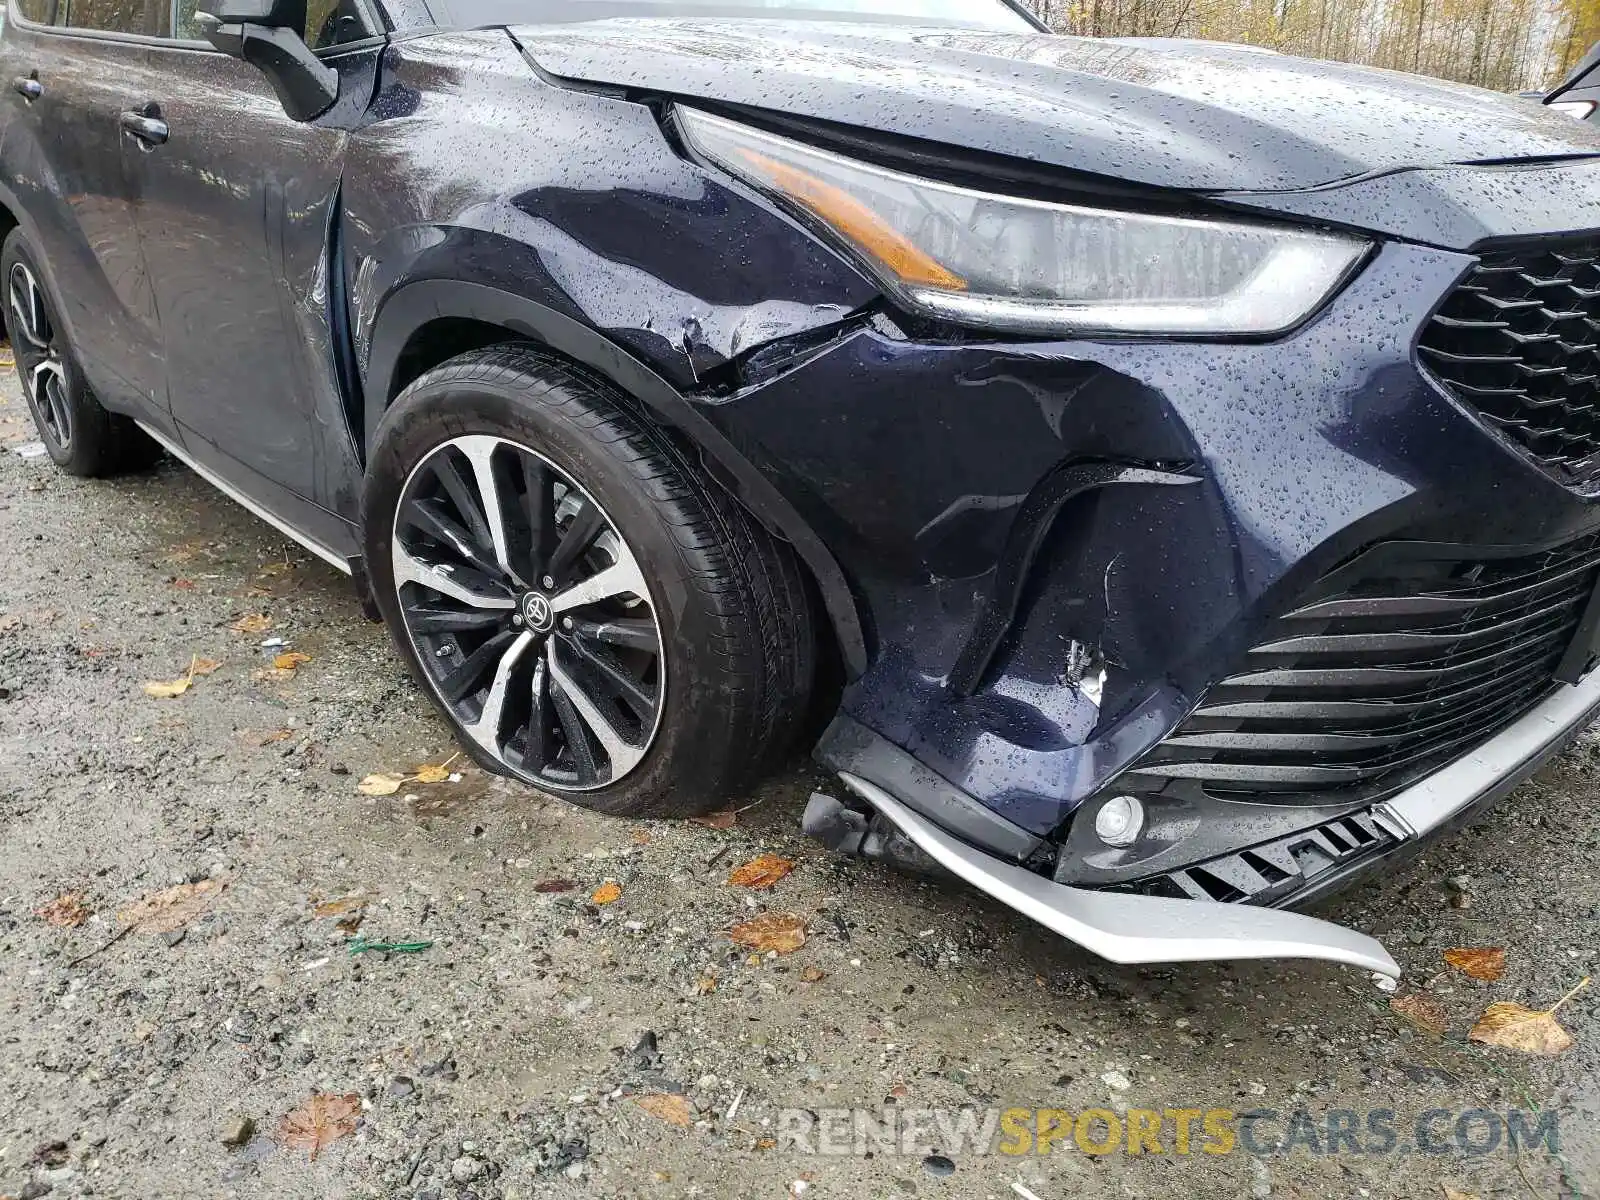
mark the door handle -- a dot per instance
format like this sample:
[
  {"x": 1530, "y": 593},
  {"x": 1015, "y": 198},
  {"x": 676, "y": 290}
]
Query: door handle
[
  {"x": 150, "y": 130},
  {"x": 28, "y": 88}
]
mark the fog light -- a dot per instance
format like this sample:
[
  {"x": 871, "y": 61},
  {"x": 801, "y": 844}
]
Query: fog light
[{"x": 1119, "y": 821}]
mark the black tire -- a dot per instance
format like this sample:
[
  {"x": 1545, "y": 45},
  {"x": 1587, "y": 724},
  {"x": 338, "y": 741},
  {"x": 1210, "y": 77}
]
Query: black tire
[
  {"x": 736, "y": 636},
  {"x": 80, "y": 436}
]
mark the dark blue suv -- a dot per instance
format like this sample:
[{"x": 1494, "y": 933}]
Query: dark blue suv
[{"x": 1158, "y": 477}]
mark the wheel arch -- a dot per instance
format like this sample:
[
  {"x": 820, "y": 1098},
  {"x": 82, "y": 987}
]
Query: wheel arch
[{"x": 423, "y": 323}]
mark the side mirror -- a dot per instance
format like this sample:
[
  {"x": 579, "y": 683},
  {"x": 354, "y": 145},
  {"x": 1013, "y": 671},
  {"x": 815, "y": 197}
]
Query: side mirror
[{"x": 267, "y": 35}]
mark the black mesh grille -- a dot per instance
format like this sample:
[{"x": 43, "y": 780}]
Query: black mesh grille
[
  {"x": 1403, "y": 658},
  {"x": 1519, "y": 341}
]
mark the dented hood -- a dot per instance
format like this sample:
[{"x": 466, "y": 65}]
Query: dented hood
[{"x": 1166, "y": 113}]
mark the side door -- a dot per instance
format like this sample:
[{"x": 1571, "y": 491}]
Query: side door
[
  {"x": 67, "y": 68},
  {"x": 237, "y": 211}
]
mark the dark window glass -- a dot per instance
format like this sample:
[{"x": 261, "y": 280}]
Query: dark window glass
[
  {"x": 148, "y": 17},
  {"x": 328, "y": 23}
]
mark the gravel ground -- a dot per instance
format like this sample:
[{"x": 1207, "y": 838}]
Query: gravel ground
[{"x": 509, "y": 1058}]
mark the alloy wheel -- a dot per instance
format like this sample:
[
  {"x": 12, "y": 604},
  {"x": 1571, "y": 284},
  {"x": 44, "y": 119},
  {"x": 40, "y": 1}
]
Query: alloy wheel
[
  {"x": 529, "y": 613},
  {"x": 39, "y": 357}
]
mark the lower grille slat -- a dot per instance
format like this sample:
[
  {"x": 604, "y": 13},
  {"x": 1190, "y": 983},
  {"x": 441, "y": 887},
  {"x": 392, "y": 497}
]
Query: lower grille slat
[{"x": 1396, "y": 661}]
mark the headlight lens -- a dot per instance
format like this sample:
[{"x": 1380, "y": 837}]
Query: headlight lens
[{"x": 1032, "y": 266}]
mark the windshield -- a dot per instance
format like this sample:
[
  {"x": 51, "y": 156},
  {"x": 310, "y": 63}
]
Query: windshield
[{"x": 974, "y": 14}]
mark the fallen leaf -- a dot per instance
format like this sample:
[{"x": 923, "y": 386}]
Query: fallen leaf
[
  {"x": 340, "y": 906},
  {"x": 1450, "y": 1193},
  {"x": 253, "y": 623},
  {"x": 276, "y": 735},
  {"x": 172, "y": 908},
  {"x": 1528, "y": 1030},
  {"x": 1487, "y": 963},
  {"x": 813, "y": 975},
  {"x": 607, "y": 893},
  {"x": 783, "y": 932},
  {"x": 169, "y": 689},
  {"x": 556, "y": 885},
  {"x": 1421, "y": 1010},
  {"x": 668, "y": 1106},
  {"x": 183, "y": 584},
  {"x": 766, "y": 1143},
  {"x": 321, "y": 1120},
  {"x": 705, "y": 985},
  {"x": 290, "y": 659},
  {"x": 431, "y": 773},
  {"x": 381, "y": 783},
  {"x": 763, "y": 872},
  {"x": 641, "y": 837},
  {"x": 66, "y": 911},
  {"x": 725, "y": 819}
]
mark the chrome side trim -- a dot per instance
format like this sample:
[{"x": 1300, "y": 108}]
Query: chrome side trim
[
  {"x": 1128, "y": 928},
  {"x": 239, "y": 498},
  {"x": 1430, "y": 802}
]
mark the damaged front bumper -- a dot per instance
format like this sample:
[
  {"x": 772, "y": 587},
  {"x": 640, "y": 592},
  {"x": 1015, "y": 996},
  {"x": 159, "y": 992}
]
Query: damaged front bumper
[
  {"x": 1130, "y": 928},
  {"x": 1297, "y": 603}
]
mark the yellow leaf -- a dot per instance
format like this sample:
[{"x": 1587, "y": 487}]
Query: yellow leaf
[
  {"x": 1528, "y": 1030},
  {"x": 783, "y": 932},
  {"x": 1487, "y": 963},
  {"x": 253, "y": 623},
  {"x": 167, "y": 689},
  {"x": 430, "y": 773},
  {"x": 204, "y": 666},
  {"x": 319, "y": 1121},
  {"x": 339, "y": 907},
  {"x": 66, "y": 911},
  {"x": 381, "y": 783},
  {"x": 761, "y": 872},
  {"x": 641, "y": 837},
  {"x": 276, "y": 735},
  {"x": 607, "y": 893},
  {"x": 1423, "y": 1011},
  {"x": 172, "y": 908},
  {"x": 290, "y": 659},
  {"x": 669, "y": 1106},
  {"x": 705, "y": 985}
]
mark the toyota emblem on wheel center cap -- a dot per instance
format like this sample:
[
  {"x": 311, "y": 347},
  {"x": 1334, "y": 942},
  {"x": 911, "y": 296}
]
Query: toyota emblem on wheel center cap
[{"x": 538, "y": 614}]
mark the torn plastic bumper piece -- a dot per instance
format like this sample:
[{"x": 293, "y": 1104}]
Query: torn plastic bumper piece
[
  {"x": 1129, "y": 928},
  {"x": 1126, "y": 928}
]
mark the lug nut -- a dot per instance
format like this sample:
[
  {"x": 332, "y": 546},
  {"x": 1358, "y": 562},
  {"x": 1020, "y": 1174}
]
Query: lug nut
[
  {"x": 547, "y": 582},
  {"x": 1119, "y": 821}
]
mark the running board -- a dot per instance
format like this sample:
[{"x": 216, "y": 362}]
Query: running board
[
  {"x": 243, "y": 501},
  {"x": 1128, "y": 928}
]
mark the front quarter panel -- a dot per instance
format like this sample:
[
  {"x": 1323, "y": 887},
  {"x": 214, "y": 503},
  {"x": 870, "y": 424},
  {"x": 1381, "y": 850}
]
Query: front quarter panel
[{"x": 476, "y": 170}]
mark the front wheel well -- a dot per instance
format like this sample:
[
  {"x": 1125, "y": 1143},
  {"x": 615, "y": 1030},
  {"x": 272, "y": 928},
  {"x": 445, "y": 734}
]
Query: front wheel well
[
  {"x": 443, "y": 338},
  {"x": 439, "y": 341}
]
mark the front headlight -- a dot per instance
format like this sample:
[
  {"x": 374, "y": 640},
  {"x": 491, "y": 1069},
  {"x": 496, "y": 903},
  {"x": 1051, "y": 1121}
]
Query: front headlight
[{"x": 1027, "y": 265}]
